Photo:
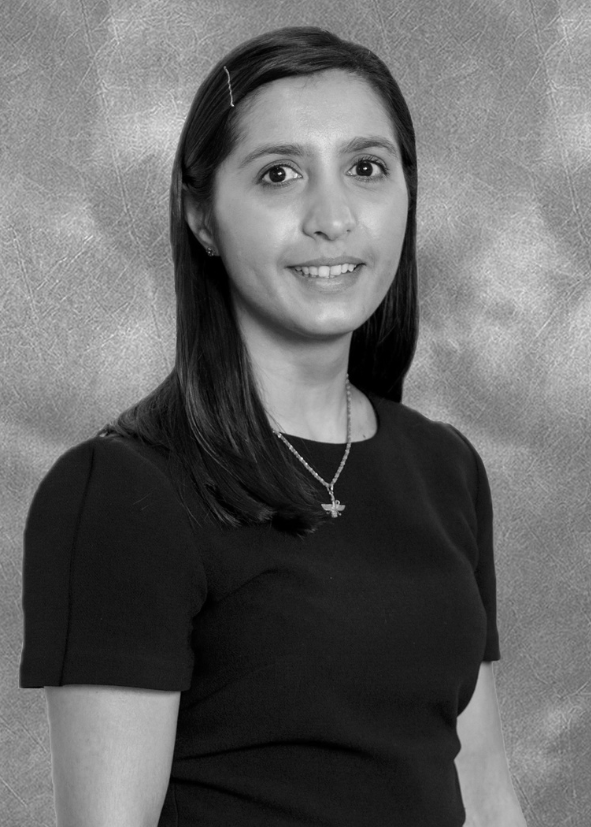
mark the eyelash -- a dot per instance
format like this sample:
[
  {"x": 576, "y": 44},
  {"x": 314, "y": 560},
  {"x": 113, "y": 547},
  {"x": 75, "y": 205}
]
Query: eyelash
[{"x": 369, "y": 158}]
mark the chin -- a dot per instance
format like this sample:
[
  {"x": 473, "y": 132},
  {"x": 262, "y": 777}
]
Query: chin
[{"x": 331, "y": 330}]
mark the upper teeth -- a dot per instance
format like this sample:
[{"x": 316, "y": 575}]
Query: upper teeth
[{"x": 325, "y": 271}]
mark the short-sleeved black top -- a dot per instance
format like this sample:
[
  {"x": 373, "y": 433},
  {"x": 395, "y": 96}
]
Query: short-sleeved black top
[{"x": 321, "y": 677}]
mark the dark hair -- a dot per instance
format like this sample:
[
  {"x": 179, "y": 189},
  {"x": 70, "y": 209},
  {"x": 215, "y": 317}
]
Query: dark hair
[{"x": 207, "y": 413}]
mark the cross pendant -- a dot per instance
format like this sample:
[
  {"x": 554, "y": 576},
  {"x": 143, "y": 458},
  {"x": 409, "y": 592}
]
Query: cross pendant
[{"x": 334, "y": 507}]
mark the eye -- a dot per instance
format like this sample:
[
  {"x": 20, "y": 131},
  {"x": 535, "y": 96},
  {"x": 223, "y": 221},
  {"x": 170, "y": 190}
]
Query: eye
[
  {"x": 368, "y": 168},
  {"x": 279, "y": 174}
]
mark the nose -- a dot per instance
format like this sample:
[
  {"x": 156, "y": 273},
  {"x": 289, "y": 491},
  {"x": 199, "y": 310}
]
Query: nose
[{"x": 329, "y": 213}]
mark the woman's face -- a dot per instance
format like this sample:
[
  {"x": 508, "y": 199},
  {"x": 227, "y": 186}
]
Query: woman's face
[{"x": 309, "y": 209}]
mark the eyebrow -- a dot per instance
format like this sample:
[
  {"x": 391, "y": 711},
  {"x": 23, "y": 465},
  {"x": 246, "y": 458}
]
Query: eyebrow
[{"x": 299, "y": 150}]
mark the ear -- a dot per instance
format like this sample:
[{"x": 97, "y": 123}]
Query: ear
[{"x": 197, "y": 220}]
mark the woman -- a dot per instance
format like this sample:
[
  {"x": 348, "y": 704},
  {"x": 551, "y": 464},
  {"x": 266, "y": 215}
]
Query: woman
[{"x": 265, "y": 596}]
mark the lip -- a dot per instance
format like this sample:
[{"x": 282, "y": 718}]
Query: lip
[{"x": 328, "y": 262}]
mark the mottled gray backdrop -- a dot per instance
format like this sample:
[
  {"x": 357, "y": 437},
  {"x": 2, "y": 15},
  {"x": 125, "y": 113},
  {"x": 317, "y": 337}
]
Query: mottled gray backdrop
[{"x": 94, "y": 93}]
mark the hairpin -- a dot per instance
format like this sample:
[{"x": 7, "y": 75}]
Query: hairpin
[{"x": 229, "y": 86}]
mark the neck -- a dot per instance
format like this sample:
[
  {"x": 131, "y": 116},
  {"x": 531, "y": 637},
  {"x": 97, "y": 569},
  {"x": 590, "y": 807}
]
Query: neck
[
  {"x": 302, "y": 385},
  {"x": 306, "y": 404},
  {"x": 304, "y": 393}
]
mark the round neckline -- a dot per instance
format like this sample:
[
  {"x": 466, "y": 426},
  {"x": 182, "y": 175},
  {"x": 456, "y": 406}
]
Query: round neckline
[{"x": 341, "y": 445}]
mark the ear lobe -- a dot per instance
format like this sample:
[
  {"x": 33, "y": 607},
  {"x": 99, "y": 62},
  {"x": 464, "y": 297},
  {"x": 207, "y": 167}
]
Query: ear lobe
[{"x": 196, "y": 219}]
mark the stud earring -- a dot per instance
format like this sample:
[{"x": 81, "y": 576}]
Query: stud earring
[{"x": 210, "y": 251}]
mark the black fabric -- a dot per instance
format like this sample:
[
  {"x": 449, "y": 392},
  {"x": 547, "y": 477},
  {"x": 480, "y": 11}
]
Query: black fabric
[{"x": 321, "y": 677}]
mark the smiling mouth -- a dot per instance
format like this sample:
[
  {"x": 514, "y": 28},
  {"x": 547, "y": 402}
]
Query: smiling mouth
[{"x": 326, "y": 272}]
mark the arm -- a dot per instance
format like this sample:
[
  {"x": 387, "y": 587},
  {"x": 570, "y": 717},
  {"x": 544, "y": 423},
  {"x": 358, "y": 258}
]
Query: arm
[
  {"x": 111, "y": 752},
  {"x": 487, "y": 791}
]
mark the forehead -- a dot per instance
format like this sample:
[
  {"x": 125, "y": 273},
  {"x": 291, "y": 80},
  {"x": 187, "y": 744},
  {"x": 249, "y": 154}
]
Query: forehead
[{"x": 331, "y": 103}]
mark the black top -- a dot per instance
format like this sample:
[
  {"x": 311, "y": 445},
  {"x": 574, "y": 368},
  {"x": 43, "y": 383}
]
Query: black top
[{"x": 321, "y": 677}]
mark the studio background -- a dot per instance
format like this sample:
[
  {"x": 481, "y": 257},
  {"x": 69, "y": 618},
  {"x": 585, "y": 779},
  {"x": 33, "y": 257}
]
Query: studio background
[{"x": 93, "y": 95}]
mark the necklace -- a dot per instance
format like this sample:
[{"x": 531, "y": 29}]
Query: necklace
[{"x": 334, "y": 507}]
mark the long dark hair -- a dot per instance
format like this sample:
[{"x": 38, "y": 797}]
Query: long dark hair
[{"x": 207, "y": 414}]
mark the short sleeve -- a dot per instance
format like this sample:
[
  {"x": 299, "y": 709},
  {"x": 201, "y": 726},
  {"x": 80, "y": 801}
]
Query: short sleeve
[
  {"x": 112, "y": 578},
  {"x": 485, "y": 567}
]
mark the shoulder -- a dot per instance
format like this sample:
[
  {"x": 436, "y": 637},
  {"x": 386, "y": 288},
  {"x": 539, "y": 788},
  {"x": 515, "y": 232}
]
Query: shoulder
[
  {"x": 429, "y": 441},
  {"x": 415, "y": 426},
  {"x": 109, "y": 505},
  {"x": 107, "y": 478},
  {"x": 109, "y": 452},
  {"x": 112, "y": 571},
  {"x": 110, "y": 462}
]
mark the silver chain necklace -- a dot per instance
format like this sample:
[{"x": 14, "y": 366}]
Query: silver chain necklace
[{"x": 334, "y": 506}]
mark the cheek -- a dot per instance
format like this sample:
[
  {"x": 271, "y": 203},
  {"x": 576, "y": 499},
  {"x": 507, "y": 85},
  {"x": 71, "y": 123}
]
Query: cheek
[
  {"x": 387, "y": 218},
  {"x": 399, "y": 224},
  {"x": 387, "y": 232},
  {"x": 246, "y": 233}
]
